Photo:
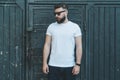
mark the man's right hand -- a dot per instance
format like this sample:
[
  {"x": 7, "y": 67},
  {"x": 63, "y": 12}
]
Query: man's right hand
[{"x": 45, "y": 68}]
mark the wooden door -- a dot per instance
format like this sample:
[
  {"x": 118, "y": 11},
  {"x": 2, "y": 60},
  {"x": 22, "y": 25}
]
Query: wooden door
[
  {"x": 103, "y": 42},
  {"x": 40, "y": 16},
  {"x": 11, "y": 40}
]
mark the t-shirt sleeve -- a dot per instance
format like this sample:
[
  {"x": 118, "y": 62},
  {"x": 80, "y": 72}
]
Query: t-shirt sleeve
[
  {"x": 77, "y": 31},
  {"x": 49, "y": 30}
]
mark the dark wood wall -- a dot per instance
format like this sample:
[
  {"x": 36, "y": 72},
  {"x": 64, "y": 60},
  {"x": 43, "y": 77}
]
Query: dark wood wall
[
  {"x": 11, "y": 40},
  {"x": 23, "y": 24}
]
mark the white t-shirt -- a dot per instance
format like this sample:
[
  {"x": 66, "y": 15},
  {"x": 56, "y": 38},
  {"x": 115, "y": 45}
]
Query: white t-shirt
[{"x": 63, "y": 43}]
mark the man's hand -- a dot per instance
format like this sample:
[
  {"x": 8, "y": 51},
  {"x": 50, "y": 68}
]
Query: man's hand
[
  {"x": 45, "y": 68},
  {"x": 76, "y": 70}
]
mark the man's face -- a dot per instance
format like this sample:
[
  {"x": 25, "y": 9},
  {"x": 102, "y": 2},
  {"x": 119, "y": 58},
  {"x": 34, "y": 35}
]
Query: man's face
[{"x": 60, "y": 15}]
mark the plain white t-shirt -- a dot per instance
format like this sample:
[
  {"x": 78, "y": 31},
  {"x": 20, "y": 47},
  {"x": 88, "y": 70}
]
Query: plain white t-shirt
[{"x": 63, "y": 43}]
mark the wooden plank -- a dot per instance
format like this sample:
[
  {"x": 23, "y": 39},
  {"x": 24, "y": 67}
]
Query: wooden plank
[
  {"x": 6, "y": 0},
  {"x": 96, "y": 43},
  {"x": 107, "y": 41},
  {"x": 18, "y": 41},
  {"x": 12, "y": 43},
  {"x": 1, "y": 28},
  {"x": 112, "y": 43},
  {"x": 1, "y": 33},
  {"x": 91, "y": 42},
  {"x": 72, "y": 1},
  {"x": 1, "y": 42},
  {"x": 30, "y": 23},
  {"x": 117, "y": 41},
  {"x": 101, "y": 43},
  {"x": 6, "y": 43}
]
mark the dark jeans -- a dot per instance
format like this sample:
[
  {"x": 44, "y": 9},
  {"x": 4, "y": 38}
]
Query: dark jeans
[{"x": 58, "y": 73}]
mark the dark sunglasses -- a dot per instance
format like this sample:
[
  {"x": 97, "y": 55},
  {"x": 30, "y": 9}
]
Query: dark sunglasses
[{"x": 58, "y": 13}]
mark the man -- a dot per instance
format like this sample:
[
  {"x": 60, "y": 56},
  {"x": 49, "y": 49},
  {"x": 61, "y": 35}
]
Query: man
[{"x": 62, "y": 38}]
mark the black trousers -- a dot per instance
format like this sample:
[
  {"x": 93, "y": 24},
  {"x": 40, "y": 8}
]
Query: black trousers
[{"x": 58, "y": 73}]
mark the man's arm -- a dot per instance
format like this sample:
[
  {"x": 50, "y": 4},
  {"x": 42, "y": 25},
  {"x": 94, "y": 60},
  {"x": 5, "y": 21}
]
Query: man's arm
[
  {"x": 78, "y": 42},
  {"x": 46, "y": 52}
]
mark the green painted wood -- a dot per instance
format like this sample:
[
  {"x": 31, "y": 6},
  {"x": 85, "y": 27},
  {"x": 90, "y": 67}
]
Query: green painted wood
[
  {"x": 11, "y": 42},
  {"x": 71, "y": 0},
  {"x": 6, "y": 43},
  {"x": 95, "y": 46},
  {"x": 101, "y": 40},
  {"x": 90, "y": 43},
  {"x": 103, "y": 27},
  {"x": 106, "y": 44},
  {"x": 117, "y": 44},
  {"x": 112, "y": 44},
  {"x": 1, "y": 41},
  {"x": 6, "y": 0}
]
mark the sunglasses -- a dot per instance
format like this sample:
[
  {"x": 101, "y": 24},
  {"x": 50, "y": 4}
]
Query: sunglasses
[{"x": 58, "y": 13}]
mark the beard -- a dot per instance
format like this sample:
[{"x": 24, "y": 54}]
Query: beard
[{"x": 61, "y": 20}]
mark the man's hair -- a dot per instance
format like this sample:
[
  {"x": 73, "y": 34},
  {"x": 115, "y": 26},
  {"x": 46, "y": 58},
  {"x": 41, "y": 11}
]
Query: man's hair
[{"x": 61, "y": 5}]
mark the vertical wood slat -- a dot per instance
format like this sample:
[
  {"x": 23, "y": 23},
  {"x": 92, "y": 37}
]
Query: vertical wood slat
[
  {"x": 117, "y": 42},
  {"x": 101, "y": 43},
  {"x": 6, "y": 43},
  {"x": 17, "y": 45},
  {"x": 90, "y": 42},
  {"x": 95, "y": 39},
  {"x": 20, "y": 40},
  {"x": 1, "y": 41},
  {"x": 106, "y": 65},
  {"x": 1, "y": 29},
  {"x": 112, "y": 42},
  {"x": 12, "y": 43}
]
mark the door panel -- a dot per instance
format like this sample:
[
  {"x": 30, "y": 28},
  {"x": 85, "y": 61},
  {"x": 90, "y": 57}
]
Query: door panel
[
  {"x": 103, "y": 42},
  {"x": 40, "y": 16},
  {"x": 11, "y": 42}
]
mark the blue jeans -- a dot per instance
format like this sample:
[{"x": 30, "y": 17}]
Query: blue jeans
[{"x": 58, "y": 73}]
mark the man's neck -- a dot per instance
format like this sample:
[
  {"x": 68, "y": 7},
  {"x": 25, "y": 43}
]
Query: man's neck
[{"x": 66, "y": 21}]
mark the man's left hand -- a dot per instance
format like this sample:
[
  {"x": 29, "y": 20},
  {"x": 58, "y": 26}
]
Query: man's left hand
[{"x": 76, "y": 70}]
